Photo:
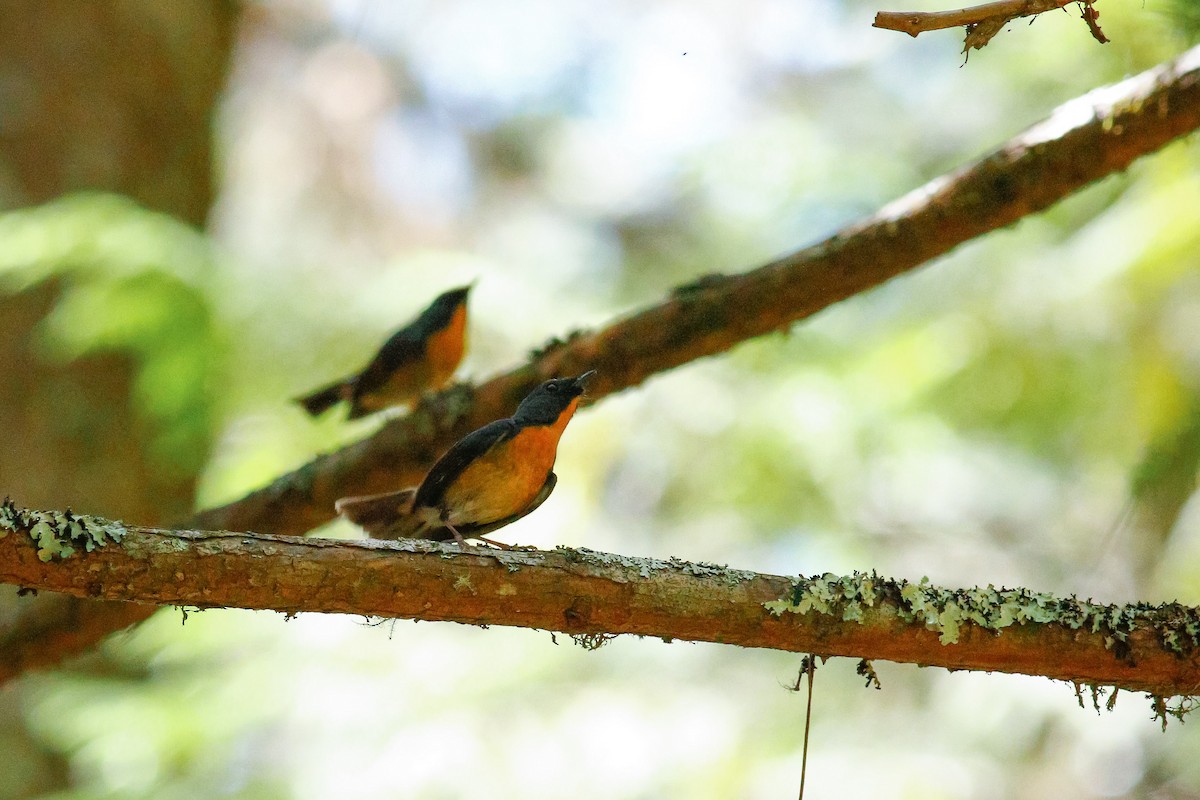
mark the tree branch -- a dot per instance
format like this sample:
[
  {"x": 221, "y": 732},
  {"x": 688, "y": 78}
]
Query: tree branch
[
  {"x": 915, "y": 22},
  {"x": 593, "y": 595},
  {"x": 1082, "y": 141},
  {"x": 57, "y": 627},
  {"x": 983, "y": 21}
]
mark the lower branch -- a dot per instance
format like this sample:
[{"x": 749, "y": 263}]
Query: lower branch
[{"x": 593, "y": 595}]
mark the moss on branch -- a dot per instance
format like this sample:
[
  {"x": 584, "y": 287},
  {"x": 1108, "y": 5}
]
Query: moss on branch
[{"x": 58, "y": 533}]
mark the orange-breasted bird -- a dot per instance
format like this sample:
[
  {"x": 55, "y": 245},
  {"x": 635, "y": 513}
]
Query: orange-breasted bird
[
  {"x": 421, "y": 355},
  {"x": 488, "y": 479}
]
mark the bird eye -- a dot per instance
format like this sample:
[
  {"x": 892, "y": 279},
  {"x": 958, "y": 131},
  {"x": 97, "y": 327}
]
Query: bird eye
[{"x": 551, "y": 387}]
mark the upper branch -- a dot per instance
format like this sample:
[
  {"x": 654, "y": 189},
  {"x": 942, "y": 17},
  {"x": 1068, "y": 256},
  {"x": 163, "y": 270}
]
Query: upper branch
[
  {"x": 1082, "y": 141},
  {"x": 1156, "y": 650}
]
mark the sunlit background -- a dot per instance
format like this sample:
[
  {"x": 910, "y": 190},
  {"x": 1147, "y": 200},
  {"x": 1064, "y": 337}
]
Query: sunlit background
[{"x": 1023, "y": 412}]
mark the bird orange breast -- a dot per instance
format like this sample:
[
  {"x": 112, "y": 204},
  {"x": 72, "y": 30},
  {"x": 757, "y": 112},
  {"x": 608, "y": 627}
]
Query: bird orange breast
[
  {"x": 505, "y": 480},
  {"x": 444, "y": 348}
]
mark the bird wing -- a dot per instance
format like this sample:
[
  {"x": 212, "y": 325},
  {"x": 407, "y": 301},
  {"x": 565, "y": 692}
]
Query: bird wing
[
  {"x": 389, "y": 515},
  {"x": 459, "y": 457},
  {"x": 468, "y": 531},
  {"x": 402, "y": 348}
]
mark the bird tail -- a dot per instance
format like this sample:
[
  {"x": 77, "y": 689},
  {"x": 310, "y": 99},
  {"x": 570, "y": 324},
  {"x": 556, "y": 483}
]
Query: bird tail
[
  {"x": 382, "y": 516},
  {"x": 320, "y": 400}
]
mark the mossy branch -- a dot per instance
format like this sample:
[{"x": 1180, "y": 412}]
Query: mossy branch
[{"x": 1154, "y": 649}]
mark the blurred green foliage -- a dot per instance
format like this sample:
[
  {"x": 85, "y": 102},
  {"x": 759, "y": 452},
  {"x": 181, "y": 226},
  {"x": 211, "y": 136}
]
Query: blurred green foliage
[
  {"x": 134, "y": 282},
  {"x": 1185, "y": 18}
]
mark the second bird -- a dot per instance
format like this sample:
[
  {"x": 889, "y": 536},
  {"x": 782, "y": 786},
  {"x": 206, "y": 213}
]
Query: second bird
[{"x": 421, "y": 355}]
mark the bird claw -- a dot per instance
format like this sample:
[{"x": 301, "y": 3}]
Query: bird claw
[{"x": 503, "y": 546}]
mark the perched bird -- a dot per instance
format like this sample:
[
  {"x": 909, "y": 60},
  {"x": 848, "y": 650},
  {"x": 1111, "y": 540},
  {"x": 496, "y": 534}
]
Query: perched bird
[
  {"x": 421, "y": 355},
  {"x": 488, "y": 479}
]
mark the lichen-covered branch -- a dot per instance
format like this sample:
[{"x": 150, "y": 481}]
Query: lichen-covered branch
[
  {"x": 1085, "y": 140},
  {"x": 51, "y": 627},
  {"x": 1154, "y": 649}
]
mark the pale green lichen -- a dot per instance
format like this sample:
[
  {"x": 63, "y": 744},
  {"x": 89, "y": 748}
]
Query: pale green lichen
[
  {"x": 948, "y": 610},
  {"x": 595, "y": 558},
  {"x": 704, "y": 569},
  {"x": 58, "y": 533},
  {"x": 646, "y": 567}
]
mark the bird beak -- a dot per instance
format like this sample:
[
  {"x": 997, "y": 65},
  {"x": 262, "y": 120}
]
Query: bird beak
[{"x": 581, "y": 381}]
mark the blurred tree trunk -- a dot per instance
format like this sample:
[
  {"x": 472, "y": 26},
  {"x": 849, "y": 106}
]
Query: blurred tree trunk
[{"x": 114, "y": 96}]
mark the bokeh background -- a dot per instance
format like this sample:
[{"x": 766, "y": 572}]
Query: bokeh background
[{"x": 210, "y": 208}]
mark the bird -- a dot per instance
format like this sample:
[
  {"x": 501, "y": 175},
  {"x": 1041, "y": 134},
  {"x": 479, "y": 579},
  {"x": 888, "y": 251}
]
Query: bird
[
  {"x": 421, "y": 355},
  {"x": 488, "y": 479}
]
